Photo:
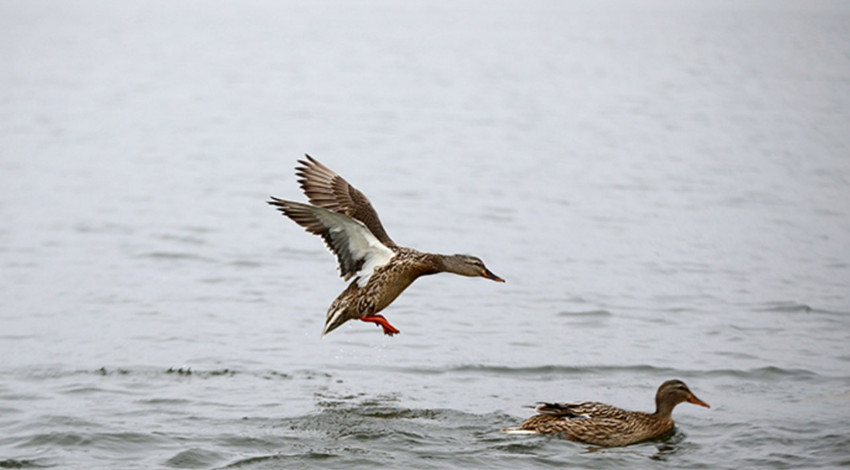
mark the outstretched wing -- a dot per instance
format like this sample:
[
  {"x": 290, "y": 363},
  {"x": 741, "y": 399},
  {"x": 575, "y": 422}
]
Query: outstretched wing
[
  {"x": 327, "y": 189},
  {"x": 356, "y": 248}
]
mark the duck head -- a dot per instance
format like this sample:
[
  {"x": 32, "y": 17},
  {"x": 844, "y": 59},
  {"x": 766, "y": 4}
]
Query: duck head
[
  {"x": 466, "y": 265},
  {"x": 673, "y": 392}
]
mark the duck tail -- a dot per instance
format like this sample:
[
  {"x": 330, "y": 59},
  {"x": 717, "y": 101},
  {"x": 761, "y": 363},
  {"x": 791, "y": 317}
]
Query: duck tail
[{"x": 336, "y": 317}]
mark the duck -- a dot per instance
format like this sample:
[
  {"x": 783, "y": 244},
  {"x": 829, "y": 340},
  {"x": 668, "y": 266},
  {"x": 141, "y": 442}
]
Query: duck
[
  {"x": 606, "y": 425},
  {"x": 379, "y": 269}
]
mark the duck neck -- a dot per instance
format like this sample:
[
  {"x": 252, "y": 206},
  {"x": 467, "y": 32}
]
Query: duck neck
[
  {"x": 663, "y": 408},
  {"x": 433, "y": 263}
]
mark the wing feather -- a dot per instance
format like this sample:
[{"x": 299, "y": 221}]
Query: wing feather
[
  {"x": 587, "y": 409},
  {"x": 325, "y": 188},
  {"x": 357, "y": 250}
]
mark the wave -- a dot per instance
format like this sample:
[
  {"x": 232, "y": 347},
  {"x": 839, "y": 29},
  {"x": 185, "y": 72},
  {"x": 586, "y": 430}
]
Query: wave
[
  {"x": 48, "y": 372},
  {"x": 640, "y": 369},
  {"x": 549, "y": 370},
  {"x": 177, "y": 256},
  {"x": 793, "y": 307},
  {"x": 195, "y": 458},
  {"x": 24, "y": 463},
  {"x": 585, "y": 313}
]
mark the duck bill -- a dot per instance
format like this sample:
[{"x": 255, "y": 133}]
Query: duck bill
[
  {"x": 489, "y": 275},
  {"x": 696, "y": 401}
]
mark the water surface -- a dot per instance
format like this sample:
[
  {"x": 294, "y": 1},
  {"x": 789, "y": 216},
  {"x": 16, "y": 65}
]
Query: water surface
[{"x": 664, "y": 186}]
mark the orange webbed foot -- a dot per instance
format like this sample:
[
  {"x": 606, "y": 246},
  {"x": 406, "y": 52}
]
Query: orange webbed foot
[{"x": 389, "y": 330}]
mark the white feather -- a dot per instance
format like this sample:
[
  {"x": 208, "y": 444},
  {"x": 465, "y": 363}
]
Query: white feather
[
  {"x": 361, "y": 243},
  {"x": 518, "y": 431}
]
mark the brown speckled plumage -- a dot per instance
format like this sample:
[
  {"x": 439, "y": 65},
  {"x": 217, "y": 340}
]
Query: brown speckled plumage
[
  {"x": 606, "y": 425},
  {"x": 352, "y": 230},
  {"x": 324, "y": 188}
]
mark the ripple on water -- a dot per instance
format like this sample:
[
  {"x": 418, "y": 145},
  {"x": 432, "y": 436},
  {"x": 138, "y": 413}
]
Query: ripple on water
[
  {"x": 24, "y": 463},
  {"x": 195, "y": 458},
  {"x": 791, "y": 307},
  {"x": 366, "y": 431},
  {"x": 585, "y": 313}
]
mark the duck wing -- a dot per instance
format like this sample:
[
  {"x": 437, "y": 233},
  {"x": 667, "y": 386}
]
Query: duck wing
[
  {"x": 325, "y": 188},
  {"x": 587, "y": 409},
  {"x": 594, "y": 423},
  {"x": 599, "y": 431},
  {"x": 357, "y": 249}
]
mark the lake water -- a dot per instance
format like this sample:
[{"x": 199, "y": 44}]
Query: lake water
[{"x": 664, "y": 185}]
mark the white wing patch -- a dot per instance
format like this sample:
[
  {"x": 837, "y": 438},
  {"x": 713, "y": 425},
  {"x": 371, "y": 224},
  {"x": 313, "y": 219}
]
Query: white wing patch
[
  {"x": 361, "y": 243},
  {"x": 379, "y": 256}
]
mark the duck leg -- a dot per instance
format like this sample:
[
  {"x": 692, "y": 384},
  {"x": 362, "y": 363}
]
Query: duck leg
[{"x": 389, "y": 330}]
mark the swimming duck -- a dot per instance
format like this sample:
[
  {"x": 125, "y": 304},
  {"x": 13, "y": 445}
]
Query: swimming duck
[
  {"x": 606, "y": 425},
  {"x": 350, "y": 227}
]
